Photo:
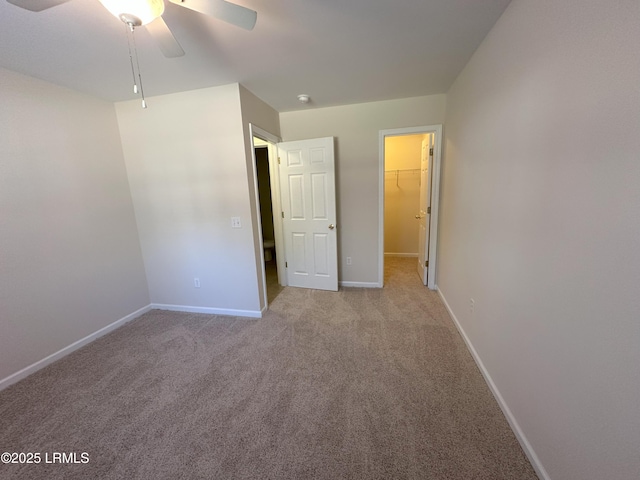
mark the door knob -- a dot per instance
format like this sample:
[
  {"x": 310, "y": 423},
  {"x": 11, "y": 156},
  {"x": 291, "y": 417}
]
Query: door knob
[{"x": 331, "y": 226}]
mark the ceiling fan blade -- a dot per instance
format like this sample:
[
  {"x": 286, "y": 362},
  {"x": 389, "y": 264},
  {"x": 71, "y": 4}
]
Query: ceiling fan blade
[
  {"x": 36, "y": 5},
  {"x": 163, "y": 37},
  {"x": 229, "y": 12}
]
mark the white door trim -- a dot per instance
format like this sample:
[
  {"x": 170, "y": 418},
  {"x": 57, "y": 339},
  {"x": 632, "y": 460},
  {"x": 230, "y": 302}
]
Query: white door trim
[
  {"x": 435, "y": 196},
  {"x": 272, "y": 140}
]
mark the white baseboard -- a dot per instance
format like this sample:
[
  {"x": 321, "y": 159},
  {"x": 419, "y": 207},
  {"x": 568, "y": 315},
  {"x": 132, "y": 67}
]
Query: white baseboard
[
  {"x": 413, "y": 255},
  {"x": 524, "y": 443},
  {"x": 25, "y": 372},
  {"x": 359, "y": 284},
  {"x": 208, "y": 310}
]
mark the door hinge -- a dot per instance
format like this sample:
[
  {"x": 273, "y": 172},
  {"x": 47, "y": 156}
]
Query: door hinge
[
  {"x": 431, "y": 152},
  {"x": 282, "y": 214},
  {"x": 428, "y": 209},
  {"x": 286, "y": 265},
  {"x": 426, "y": 263},
  {"x": 278, "y": 160}
]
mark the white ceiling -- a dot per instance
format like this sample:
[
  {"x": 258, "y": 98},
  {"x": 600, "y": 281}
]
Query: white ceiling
[{"x": 337, "y": 51}]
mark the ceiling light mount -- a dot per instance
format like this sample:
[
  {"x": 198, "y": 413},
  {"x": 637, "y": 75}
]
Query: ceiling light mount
[
  {"x": 135, "y": 12},
  {"x": 304, "y": 98},
  {"x": 130, "y": 20}
]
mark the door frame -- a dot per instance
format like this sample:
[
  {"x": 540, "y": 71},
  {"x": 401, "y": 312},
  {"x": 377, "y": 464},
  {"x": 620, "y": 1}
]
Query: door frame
[
  {"x": 274, "y": 180},
  {"x": 435, "y": 196}
]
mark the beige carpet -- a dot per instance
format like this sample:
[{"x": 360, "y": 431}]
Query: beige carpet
[
  {"x": 273, "y": 287},
  {"x": 359, "y": 384}
]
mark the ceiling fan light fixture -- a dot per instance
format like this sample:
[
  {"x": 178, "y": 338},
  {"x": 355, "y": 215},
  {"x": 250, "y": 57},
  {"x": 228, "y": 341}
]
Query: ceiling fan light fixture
[{"x": 135, "y": 12}]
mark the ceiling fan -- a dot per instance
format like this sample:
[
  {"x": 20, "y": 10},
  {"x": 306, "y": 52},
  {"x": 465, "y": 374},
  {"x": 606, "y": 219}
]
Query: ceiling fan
[{"x": 135, "y": 13}]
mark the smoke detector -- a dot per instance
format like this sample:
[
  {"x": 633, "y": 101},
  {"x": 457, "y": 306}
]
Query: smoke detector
[{"x": 303, "y": 98}]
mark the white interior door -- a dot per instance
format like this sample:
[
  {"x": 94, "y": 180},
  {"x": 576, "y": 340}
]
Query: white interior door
[
  {"x": 307, "y": 183},
  {"x": 424, "y": 215}
]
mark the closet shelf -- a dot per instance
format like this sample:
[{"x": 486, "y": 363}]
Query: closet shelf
[{"x": 398, "y": 171}]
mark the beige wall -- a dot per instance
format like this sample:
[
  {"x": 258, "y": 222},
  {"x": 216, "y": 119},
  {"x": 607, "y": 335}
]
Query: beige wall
[
  {"x": 188, "y": 179},
  {"x": 187, "y": 163},
  {"x": 70, "y": 260},
  {"x": 403, "y": 152},
  {"x": 356, "y": 129},
  {"x": 540, "y": 224}
]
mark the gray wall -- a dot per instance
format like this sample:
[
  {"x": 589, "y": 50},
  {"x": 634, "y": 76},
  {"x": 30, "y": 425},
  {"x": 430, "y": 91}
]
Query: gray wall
[
  {"x": 540, "y": 225},
  {"x": 70, "y": 260}
]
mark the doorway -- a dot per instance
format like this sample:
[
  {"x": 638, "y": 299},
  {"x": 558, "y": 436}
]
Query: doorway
[
  {"x": 409, "y": 193},
  {"x": 264, "y": 149},
  {"x": 303, "y": 211},
  {"x": 261, "y": 152},
  {"x": 402, "y": 195}
]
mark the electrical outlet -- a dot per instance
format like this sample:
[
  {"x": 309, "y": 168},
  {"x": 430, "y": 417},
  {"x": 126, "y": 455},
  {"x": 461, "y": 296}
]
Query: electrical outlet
[
  {"x": 196, "y": 282},
  {"x": 348, "y": 260},
  {"x": 235, "y": 222},
  {"x": 472, "y": 305}
]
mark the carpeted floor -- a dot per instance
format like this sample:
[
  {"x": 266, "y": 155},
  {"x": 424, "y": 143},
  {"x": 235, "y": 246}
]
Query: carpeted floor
[
  {"x": 359, "y": 384},
  {"x": 273, "y": 287}
]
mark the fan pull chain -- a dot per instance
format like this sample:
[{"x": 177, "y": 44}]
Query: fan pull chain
[
  {"x": 131, "y": 40},
  {"x": 133, "y": 73}
]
